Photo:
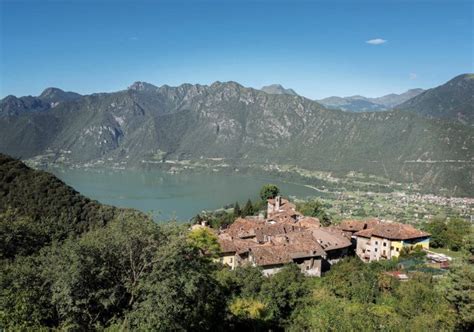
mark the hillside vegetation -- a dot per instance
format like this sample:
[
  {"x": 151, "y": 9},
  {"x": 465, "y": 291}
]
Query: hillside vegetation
[{"x": 37, "y": 208}]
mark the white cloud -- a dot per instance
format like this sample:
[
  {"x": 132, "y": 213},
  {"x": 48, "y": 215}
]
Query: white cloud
[
  {"x": 376, "y": 41},
  {"x": 413, "y": 76}
]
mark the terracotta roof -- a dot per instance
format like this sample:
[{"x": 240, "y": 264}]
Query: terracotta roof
[
  {"x": 352, "y": 225},
  {"x": 244, "y": 227},
  {"x": 309, "y": 222},
  {"x": 265, "y": 255},
  {"x": 231, "y": 245},
  {"x": 330, "y": 239},
  {"x": 284, "y": 216},
  {"x": 393, "y": 231},
  {"x": 274, "y": 229},
  {"x": 227, "y": 246}
]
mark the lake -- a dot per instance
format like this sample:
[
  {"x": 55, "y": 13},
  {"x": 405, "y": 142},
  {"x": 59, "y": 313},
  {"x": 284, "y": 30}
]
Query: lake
[{"x": 167, "y": 196}]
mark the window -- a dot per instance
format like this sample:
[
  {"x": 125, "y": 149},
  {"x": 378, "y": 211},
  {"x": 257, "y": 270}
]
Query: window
[
  {"x": 398, "y": 249},
  {"x": 375, "y": 249},
  {"x": 376, "y": 242},
  {"x": 385, "y": 244},
  {"x": 230, "y": 260},
  {"x": 391, "y": 247}
]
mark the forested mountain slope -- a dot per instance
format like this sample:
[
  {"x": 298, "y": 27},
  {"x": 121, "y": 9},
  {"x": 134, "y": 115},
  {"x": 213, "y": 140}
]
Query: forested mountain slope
[
  {"x": 37, "y": 208},
  {"x": 453, "y": 100},
  {"x": 245, "y": 126}
]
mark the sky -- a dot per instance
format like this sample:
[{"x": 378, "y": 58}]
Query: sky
[{"x": 317, "y": 48}]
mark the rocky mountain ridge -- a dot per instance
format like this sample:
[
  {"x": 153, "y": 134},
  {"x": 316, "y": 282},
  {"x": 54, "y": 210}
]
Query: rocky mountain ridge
[
  {"x": 364, "y": 104},
  {"x": 243, "y": 126}
]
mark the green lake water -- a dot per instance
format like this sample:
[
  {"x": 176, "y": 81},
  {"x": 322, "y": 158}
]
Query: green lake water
[{"x": 167, "y": 196}]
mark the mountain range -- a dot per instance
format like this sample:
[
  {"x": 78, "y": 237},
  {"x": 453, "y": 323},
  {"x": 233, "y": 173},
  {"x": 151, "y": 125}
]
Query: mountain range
[
  {"x": 353, "y": 103},
  {"x": 245, "y": 126},
  {"x": 364, "y": 104}
]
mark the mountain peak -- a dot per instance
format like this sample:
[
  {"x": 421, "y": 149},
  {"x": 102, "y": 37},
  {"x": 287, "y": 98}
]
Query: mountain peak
[
  {"x": 57, "y": 95},
  {"x": 142, "y": 86},
  {"x": 278, "y": 89},
  {"x": 51, "y": 91}
]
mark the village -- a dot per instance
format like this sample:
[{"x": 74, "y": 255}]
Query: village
[{"x": 287, "y": 236}]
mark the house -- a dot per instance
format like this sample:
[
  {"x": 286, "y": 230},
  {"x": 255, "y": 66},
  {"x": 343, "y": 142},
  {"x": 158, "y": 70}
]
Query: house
[
  {"x": 335, "y": 244},
  {"x": 386, "y": 240},
  {"x": 351, "y": 226}
]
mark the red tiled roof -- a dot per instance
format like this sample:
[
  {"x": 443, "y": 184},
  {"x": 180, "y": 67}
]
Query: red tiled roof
[
  {"x": 352, "y": 225},
  {"x": 331, "y": 239},
  {"x": 244, "y": 227},
  {"x": 393, "y": 231},
  {"x": 265, "y": 255},
  {"x": 309, "y": 222}
]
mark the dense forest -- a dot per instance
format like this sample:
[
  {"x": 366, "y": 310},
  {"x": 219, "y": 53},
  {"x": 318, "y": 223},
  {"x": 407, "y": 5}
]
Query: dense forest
[{"x": 70, "y": 263}]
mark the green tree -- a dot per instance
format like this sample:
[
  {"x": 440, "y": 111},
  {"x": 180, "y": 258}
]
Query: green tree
[
  {"x": 243, "y": 281},
  {"x": 98, "y": 277},
  {"x": 205, "y": 241},
  {"x": 460, "y": 293},
  {"x": 269, "y": 191},
  {"x": 282, "y": 292},
  {"x": 179, "y": 293},
  {"x": 25, "y": 299},
  {"x": 248, "y": 312},
  {"x": 237, "y": 210},
  {"x": 248, "y": 209},
  {"x": 437, "y": 228},
  {"x": 457, "y": 230},
  {"x": 316, "y": 209}
]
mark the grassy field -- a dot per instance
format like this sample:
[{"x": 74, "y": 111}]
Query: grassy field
[{"x": 447, "y": 252}]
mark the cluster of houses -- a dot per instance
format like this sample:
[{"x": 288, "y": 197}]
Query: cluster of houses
[{"x": 286, "y": 236}]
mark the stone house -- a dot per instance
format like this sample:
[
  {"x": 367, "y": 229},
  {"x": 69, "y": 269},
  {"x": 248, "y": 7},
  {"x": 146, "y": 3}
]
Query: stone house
[{"x": 386, "y": 240}]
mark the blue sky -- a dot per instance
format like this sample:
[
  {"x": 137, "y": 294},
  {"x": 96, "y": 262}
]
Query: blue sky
[{"x": 318, "y": 48}]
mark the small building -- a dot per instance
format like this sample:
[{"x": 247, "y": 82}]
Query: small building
[
  {"x": 386, "y": 240},
  {"x": 282, "y": 210}
]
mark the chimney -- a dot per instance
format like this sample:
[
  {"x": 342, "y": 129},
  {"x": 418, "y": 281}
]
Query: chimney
[{"x": 277, "y": 203}]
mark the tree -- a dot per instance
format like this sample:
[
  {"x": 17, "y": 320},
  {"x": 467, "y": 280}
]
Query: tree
[
  {"x": 243, "y": 282},
  {"x": 282, "y": 292},
  {"x": 179, "y": 293},
  {"x": 237, "y": 211},
  {"x": 460, "y": 293},
  {"x": 353, "y": 280},
  {"x": 457, "y": 230},
  {"x": 99, "y": 277},
  {"x": 205, "y": 241},
  {"x": 25, "y": 299},
  {"x": 315, "y": 209},
  {"x": 450, "y": 233},
  {"x": 248, "y": 312},
  {"x": 269, "y": 191},
  {"x": 248, "y": 209},
  {"x": 437, "y": 229}
]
